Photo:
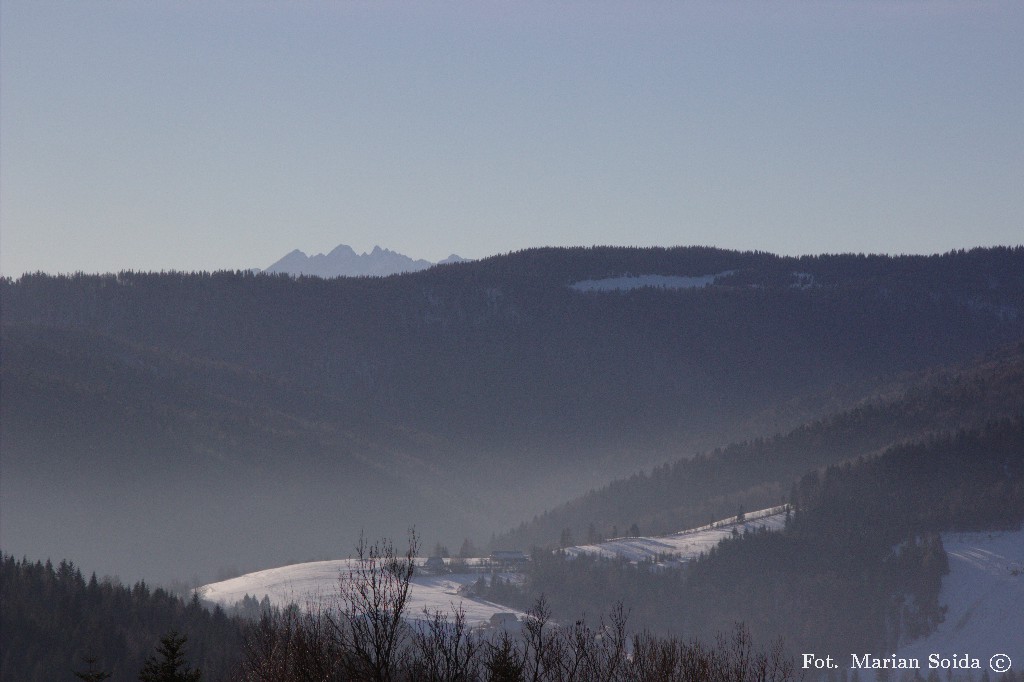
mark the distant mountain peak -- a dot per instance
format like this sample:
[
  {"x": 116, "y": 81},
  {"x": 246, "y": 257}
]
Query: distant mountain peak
[
  {"x": 343, "y": 261},
  {"x": 339, "y": 250}
]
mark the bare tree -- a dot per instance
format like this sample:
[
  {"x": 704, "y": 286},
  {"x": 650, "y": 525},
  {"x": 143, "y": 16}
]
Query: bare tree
[
  {"x": 370, "y": 624},
  {"x": 731, "y": 659},
  {"x": 543, "y": 646},
  {"x": 607, "y": 657},
  {"x": 291, "y": 645},
  {"x": 445, "y": 650},
  {"x": 578, "y": 653},
  {"x": 363, "y": 634}
]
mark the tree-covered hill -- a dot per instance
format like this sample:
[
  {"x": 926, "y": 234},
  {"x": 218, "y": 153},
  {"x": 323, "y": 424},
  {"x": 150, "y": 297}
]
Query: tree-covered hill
[
  {"x": 214, "y": 405},
  {"x": 857, "y": 569},
  {"x": 760, "y": 472},
  {"x": 503, "y": 350}
]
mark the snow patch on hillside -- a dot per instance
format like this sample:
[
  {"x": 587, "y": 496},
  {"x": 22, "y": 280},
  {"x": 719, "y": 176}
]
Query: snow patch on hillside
[
  {"x": 685, "y": 545},
  {"x": 984, "y": 594},
  {"x": 316, "y": 583},
  {"x": 629, "y": 282}
]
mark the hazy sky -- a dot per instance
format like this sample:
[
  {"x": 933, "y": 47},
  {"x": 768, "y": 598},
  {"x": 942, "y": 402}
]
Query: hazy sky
[{"x": 205, "y": 135}]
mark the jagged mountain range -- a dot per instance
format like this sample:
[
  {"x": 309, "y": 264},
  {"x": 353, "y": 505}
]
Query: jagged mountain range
[{"x": 343, "y": 261}]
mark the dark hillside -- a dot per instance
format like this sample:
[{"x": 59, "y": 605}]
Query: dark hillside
[
  {"x": 502, "y": 350},
  {"x": 858, "y": 567},
  {"x": 128, "y": 455},
  {"x": 456, "y": 398},
  {"x": 759, "y": 473},
  {"x": 864, "y": 544}
]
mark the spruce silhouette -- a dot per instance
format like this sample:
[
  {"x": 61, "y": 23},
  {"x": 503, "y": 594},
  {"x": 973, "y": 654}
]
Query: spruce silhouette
[{"x": 171, "y": 665}]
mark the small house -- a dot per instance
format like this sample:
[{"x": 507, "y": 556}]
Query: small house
[{"x": 508, "y": 559}]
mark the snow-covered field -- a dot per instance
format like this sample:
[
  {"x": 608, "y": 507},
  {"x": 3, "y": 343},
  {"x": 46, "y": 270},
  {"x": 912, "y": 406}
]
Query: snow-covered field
[
  {"x": 684, "y": 545},
  {"x": 984, "y": 592},
  {"x": 317, "y": 581}
]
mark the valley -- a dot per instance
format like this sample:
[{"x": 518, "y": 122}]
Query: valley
[{"x": 820, "y": 424}]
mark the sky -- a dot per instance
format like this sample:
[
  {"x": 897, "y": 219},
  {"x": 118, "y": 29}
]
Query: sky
[{"x": 142, "y": 135}]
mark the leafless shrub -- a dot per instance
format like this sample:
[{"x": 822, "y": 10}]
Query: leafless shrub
[
  {"x": 732, "y": 659},
  {"x": 444, "y": 649},
  {"x": 369, "y": 624},
  {"x": 290, "y": 645}
]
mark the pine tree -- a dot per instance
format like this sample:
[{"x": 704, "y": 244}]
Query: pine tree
[
  {"x": 504, "y": 663},
  {"x": 468, "y": 549},
  {"x": 172, "y": 666},
  {"x": 565, "y": 539},
  {"x": 91, "y": 675}
]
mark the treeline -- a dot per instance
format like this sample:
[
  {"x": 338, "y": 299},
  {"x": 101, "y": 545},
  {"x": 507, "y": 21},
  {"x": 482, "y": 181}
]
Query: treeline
[
  {"x": 292, "y": 646},
  {"x": 858, "y": 567},
  {"x": 58, "y": 627},
  {"x": 53, "y": 621},
  {"x": 365, "y": 632}
]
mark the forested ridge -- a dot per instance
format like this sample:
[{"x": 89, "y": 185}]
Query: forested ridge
[
  {"x": 231, "y": 401},
  {"x": 759, "y": 473},
  {"x": 503, "y": 348}
]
